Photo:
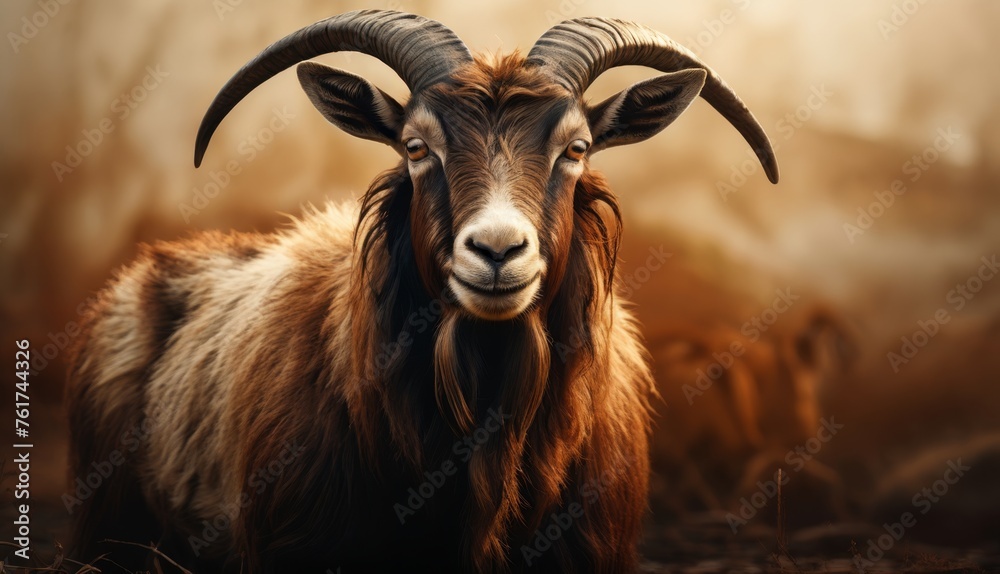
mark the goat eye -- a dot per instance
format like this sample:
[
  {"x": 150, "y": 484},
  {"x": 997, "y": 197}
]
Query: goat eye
[
  {"x": 576, "y": 150},
  {"x": 416, "y": 149}
]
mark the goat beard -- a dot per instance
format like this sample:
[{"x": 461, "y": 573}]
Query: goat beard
[
  {"x": 509, "y": 379},
  {"x": 478, "y": 365}
]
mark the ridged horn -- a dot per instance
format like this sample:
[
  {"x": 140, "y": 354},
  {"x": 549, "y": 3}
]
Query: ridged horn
[
  {"x": 421, "y": 51},
  {"x": 576, "y": 52}
]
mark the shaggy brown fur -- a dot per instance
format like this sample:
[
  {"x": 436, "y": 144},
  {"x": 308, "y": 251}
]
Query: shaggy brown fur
[{"x": 333, "y": 354}]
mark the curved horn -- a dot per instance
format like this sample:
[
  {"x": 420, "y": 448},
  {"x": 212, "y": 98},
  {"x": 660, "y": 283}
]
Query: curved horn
[
  {"x": 420, "y": 50},
  {"x": 578, "y": 51}
]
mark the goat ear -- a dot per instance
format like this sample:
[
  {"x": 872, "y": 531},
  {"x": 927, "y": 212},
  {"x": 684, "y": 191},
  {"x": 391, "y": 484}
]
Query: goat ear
[
  {"x": 641, "y": 111},
  {"x": 352, "y": 103}
]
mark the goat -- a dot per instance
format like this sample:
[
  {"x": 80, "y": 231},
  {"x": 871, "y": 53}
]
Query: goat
[
  {"x": 739, "y": 401},
  {"x": 289, "y": 395}
]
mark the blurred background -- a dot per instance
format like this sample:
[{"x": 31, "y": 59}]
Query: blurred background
[{"x": 842, "y": 326}]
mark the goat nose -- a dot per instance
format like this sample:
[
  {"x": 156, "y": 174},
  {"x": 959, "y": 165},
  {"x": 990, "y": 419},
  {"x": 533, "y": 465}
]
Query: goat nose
[{"x": 497, "y": 249}]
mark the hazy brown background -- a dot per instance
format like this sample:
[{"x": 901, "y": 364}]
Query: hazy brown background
[{"x": 888, "y": 94}]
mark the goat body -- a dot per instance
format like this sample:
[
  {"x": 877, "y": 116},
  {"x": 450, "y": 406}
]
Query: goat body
[{"x": 438, "y": 380}]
